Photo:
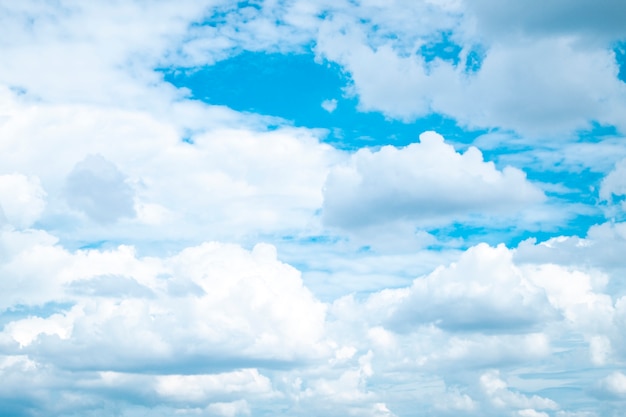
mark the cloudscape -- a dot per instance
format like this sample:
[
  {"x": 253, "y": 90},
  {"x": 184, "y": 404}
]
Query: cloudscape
[{"x": 359, "y": 208}]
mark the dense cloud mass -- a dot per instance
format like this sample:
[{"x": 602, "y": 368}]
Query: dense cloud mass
[
  {"x": 295, "y": 208},
  {"x": 425, "y": 180}
]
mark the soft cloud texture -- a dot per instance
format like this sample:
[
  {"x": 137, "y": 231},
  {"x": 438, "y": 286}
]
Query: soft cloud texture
[
  {"x": 424, "y": 182},
  {"x": 163, "y": 254},
  {"x": 22, "y": 200},
  {"x": 137, "y": 313}
]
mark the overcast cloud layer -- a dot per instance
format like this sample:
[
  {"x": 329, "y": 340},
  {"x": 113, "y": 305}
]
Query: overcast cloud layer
[{"x": 295, "y": 208}]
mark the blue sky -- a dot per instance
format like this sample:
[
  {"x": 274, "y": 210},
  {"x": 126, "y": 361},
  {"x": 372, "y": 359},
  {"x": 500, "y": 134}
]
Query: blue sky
[{"x": 294, "y": 208}]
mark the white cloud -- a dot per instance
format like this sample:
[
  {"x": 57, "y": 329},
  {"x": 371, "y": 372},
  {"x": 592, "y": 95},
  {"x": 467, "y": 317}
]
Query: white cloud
[
  {"x": 614, "y": 184},
  {"x": 424, "y": 182},
  {"x": 585, "y": 18},
  {"x": 599, "y": 252},
  {"x": 544, "y": 80},
  {"x": 22, "y": 200},
  {"x": 198, "y": 389},
  {"x": 96, "y": 187},
  {"x": 538, "y": 89},
  {"x": 91, "y": 52},
  {"x": 529, "y": 412},
  {"x": 482, "y": 291},
  {"x": 456, "y": 401},
  {"x": 329, "y": 105},
  {"x": 185, "y": 310},
  {"x": 231, "y": 409},
  {"x": 501, "y": 396},
  {"x": 392, "y": 90},
  {"x": 614, "y": 384},
  {"x": 193, "y": 328},
  {"x": 145, "y": 175}
]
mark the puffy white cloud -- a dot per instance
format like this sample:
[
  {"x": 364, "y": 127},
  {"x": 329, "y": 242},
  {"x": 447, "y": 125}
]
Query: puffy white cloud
[
  {"x": 456, "y": 401},
  {"x": 483, "y": 291},
  {"x": 96, "y": 187},
  {"x": 202, "y": 320},
  {"x": 392, "y": 90},
  {"x": 196, "y": 328},
  {"x": 181, "y": 312},
  {"x": 230, "y": 409},
  {"x": 575, "y": 295},
  {"x": 614, "y": 385},
  {"x": 200, "y": 388},
  {"x": 535, "y": 81},
  {"x": 614, "y": 184},
  {"x": 22, "y": 200},
  {"x": 501, "y": 396},
  {"x": 600, "y": 252},
  {"x": 95, "y": 52},
  {"x": 529, "y": 412},
  {"x": 146, "y": 176},
  {"x": 422, "y": 182},
  {"x": 538, "y": 88},
  {"x": 329, "y": 105}
]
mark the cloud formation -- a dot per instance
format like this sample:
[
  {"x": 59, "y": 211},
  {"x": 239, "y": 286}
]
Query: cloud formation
[
  {"x": 424, "y": 182},
  {"x": 163, "y": 254}
]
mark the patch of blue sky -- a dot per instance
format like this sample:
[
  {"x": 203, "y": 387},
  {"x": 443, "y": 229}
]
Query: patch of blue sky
[
  {"x": 294, "y": 87},
  {"x": 464, "y": 235},
  {"x": 620, "y": 58},
  {"x": 99, "y": 244},
  {"x": 597, "y": 131},
  {"x": 313, "y": 239},
  {"x": 442, "y": 47},
  {"x": 20, "y": 311}
]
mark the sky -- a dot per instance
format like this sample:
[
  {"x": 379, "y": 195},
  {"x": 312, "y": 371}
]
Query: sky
[{"x": 368, "y": 208}]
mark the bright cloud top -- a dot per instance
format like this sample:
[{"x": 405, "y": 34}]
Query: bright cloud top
[
  {"x": 150, "y": 313},
  {"x": 425, "y": 182},
  {"x": 221, "y": 208}
]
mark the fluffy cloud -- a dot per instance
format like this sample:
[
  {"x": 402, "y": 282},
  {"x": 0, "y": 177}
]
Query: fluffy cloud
[
  {"x": 613, "y": 186},
  {"x": 423, "y": 181},
  {"x": 181, "y": 312},
  {"x": 96, "y": 187},
  {"x": 483, "y": 291},
  {"x": 501, "y": 396},
  {"x": 614, "y": 385},
  {"x": 201, "y": 328},
  {"x": 22, "y": 200},
  {"x": 96, "y": 52},
  {"x": 538, "y": 88},
  {"x": 129, "y": 167},
  {"x": 600, "y": 251},
  {"x": 534, "y": 80},
  {"x": 97, "y": 149}
]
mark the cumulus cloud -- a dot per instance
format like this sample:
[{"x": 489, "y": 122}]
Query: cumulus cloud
[
  {"x": 613, "y": 385},
  {"x": 92, "y": 153},
  {"x": 96, "y": 187},
  {"x": 613, "y": 186},
  {"x": 180, "y": 312},
  {"x": 501, "y": 396},
  {"x": 533, "y": 79},
  {"x": 329, "y": 105},
  {"x": 126, "y": 169},
  {"x": 482, "y": 291},
  {"x": 424, "y": 181},
  {"x": 22, "y": 200}
]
